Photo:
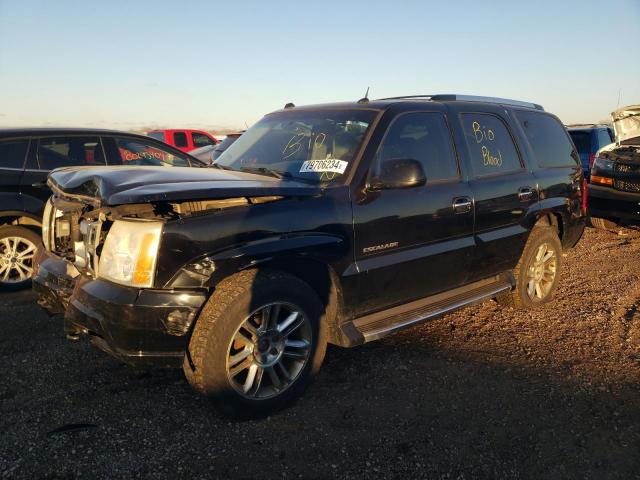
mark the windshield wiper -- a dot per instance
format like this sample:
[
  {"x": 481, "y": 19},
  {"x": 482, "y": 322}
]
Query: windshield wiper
[
  {"x": 221, "y": 167},
  {"x": 266, "y": 171}
]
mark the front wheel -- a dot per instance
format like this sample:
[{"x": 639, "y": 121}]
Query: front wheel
[
  {"x": 18, "y": 248},
  {"x": 257, "y": 343},
  {"x": 538, "y": 270}
]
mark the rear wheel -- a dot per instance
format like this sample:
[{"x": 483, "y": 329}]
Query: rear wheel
[
  {"x": 18, "y": 248},
  {"x": 538, "y": 270},
  {"x": 257, "y": 344}
]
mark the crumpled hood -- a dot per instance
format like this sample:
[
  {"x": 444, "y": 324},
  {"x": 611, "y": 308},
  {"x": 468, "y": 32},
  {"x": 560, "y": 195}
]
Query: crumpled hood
[
  {"x": 626, "y": 123},
  {"x": 123, "y": 185}
]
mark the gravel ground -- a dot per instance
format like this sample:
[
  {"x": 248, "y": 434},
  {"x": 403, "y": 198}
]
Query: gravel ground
[{"x": 486, "y": 392}]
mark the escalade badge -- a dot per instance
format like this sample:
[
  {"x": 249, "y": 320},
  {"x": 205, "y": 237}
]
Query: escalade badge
[{"x": 376, "y": 248}]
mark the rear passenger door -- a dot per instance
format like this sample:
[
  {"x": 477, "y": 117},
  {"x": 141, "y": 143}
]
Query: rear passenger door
[
  {"x": 503, "y": 190},
  {"x": 411, "y": 243}
]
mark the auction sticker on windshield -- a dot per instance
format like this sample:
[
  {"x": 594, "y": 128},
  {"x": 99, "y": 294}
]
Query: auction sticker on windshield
[{"x": 329, "y": 165}]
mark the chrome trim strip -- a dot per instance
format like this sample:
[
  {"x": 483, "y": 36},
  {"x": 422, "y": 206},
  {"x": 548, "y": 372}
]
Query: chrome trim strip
[{"x": 381, "y": 332}]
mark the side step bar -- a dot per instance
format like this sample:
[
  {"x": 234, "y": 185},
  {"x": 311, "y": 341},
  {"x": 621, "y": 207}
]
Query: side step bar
[{"x": 379, "y": 324}]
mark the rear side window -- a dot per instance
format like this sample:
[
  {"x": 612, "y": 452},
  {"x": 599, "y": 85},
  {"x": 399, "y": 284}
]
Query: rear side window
[
  {"x": 603, "y": 138},
  {"x": 548, "y": 139},
  {"x": 180, "y": 139},
  {"x": 200, "y": 140},
  {"x": 424, "y": 137},
  {"x": 582, "y": 141},
  {"x": 490, "y": 145},
  {"x": 55, "y": 152},
  {"x": 12, "y": 153},
  {"x": 137, "y": 152}
]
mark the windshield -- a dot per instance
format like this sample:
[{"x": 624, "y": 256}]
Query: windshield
[{"x": 316, "y": 146}]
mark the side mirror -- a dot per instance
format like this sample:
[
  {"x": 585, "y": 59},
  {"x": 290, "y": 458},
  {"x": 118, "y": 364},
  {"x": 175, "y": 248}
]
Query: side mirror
[{"x": 399, "y": 173}]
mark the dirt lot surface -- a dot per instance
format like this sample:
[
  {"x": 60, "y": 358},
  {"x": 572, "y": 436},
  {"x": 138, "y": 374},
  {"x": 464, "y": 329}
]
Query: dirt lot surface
[{"x": 482, "y": 393}]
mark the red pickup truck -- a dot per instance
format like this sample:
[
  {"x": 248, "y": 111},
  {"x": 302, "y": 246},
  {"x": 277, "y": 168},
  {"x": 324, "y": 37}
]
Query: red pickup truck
[{"x": 184, "y": 139}]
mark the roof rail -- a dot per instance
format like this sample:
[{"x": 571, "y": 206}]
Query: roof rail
[
  {"x": 469, "y": 98},
  {"x": 587, "y": 125}
]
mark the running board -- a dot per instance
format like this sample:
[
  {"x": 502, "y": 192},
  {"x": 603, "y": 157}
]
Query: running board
[{"x": 379, "y": 324}]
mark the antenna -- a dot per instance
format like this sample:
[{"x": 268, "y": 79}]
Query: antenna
[
  {"x": 619, "y": 98},
  {"x": 365, "y": 99}
]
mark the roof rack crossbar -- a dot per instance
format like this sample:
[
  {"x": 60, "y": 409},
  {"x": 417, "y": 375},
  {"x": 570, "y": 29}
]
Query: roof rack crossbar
[{"x": 469, "y": 98}]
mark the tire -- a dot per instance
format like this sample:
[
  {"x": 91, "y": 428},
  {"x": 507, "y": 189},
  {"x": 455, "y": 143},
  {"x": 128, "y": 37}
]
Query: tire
[
  {"x": 232, "y": 326},
  {"x": 16, "y": 264},
  {"x": 527, "y": 271},
  {"x": 603, "y": 224}
]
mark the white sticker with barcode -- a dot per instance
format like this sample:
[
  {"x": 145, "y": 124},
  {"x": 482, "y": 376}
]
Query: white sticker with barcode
[{"x": 326, "y": 165}]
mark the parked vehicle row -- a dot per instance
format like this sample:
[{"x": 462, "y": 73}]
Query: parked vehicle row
[
  {"x": 26, "y": 158},
  {"x": 210, "y": 153},
  {"x": 336, "y": 223}
]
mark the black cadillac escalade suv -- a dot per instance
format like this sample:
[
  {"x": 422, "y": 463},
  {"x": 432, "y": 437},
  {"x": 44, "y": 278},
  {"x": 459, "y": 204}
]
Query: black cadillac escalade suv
[{"x": 335, "y": 223}]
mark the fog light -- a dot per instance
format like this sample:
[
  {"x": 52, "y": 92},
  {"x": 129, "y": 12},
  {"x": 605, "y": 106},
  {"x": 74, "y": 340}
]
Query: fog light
[{"x": 178, "y": 322}]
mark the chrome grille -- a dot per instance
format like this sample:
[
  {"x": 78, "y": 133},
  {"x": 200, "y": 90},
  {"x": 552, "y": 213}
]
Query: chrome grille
[{"x": 627, "y": 168}]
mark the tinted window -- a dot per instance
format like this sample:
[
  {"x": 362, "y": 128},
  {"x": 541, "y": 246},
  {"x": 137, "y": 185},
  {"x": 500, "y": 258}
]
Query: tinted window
[
  {"x": 180, "y": 139},
  {"x": 424, "y": 137},
  {"x": 490, "y": 145},
  {"x": 200, "y": 140},
  {"x": 12, "y": 153},
  {"x": 603, "y": 138},
  {"x": 582, "y": 141},
  {"x": 548, "y": 139},
  {"x": 156, "y": 135},
  {"x": 137, "y": 152},
  {"x": 54, "y": 152}
]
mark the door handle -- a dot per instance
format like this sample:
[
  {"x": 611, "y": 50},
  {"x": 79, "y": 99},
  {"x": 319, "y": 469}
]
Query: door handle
[
  {"x": 462, "y": 205},
  {"x": 525, "y": 194}
]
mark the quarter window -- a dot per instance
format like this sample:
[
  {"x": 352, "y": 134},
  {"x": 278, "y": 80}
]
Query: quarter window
[
  {"x": 490, "y": 145},
  {"x": 136, "y": 152},
  {"x": 12, "y": 153},
  {"x": 54, "y": 152},
  {"x": 180, "y": 139},
  {"x": 200, "y": 140},
  {"x": 548, "y": 139},
  {"x": 423, "y": 137}
]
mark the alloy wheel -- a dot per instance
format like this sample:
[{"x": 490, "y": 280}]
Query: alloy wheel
[
  {"x": 16, "y": 259},
  {"x": 542, "y": 272},
  {"x": 269, "y": 351}
]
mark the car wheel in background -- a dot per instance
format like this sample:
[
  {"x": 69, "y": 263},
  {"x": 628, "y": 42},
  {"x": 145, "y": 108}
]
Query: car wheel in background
[
  {"x": 257, "y": 343},
  {"x": 18, "y": 249},
  {"x": 538, "y": 270}
]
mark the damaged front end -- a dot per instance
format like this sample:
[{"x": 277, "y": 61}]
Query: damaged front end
[{"x": 98, "y": 268}]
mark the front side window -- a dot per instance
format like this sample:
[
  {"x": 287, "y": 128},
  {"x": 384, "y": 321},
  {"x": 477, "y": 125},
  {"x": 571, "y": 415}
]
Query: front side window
[
  {"x": 180, "y": 139},
  {"x": 548, "y": 139},
  {"x": 200, "y": 140},
  {"x": 12, "y": 153},
  {"x": 137, "y": 152},
  {"x": 490, "y": 145},
  {"x": 55, "y": 152},
  {"x": 424, "y": 137},
  {"x": 313, "y": 145}
]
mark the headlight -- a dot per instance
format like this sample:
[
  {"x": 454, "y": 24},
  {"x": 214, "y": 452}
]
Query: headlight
[
  {"x": 602, "y": 165},
  {"x": 130, "y": 252}
]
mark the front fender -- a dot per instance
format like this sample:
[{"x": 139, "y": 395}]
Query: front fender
[{"x": 210, "y": 268}]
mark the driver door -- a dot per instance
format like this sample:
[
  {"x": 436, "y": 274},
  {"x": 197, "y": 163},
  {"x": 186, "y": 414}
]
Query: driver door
[{"x": 411, "y": 243}]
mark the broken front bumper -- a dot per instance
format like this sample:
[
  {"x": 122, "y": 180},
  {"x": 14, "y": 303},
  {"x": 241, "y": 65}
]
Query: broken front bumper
[{"x": 137, "y": 326}]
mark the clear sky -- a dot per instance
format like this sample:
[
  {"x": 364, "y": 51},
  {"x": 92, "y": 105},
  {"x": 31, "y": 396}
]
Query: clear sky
[{"x": 134, "y": 63}]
